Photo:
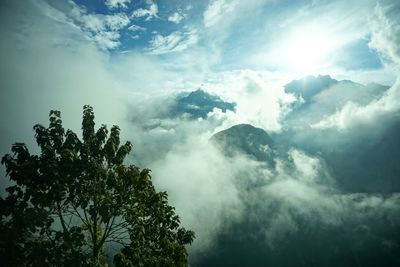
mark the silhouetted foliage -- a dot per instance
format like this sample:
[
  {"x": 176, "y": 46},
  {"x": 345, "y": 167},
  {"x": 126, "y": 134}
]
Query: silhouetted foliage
[{"x": 77, "y": 202}]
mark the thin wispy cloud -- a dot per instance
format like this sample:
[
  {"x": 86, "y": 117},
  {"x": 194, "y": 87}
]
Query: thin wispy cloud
[
  {"x": 176, "y": 41},
  {"x": 113, "y": 4},
  {"x": 216, "y": 11},
  {"x": 176, "y": 18},
  {"x": 147, "y": 13}
]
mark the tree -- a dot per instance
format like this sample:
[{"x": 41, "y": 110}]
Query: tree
[{"x": 77, "y": 203}]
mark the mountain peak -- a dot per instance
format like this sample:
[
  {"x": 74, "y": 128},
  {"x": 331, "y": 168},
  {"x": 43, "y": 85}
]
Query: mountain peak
[
  {"x": 309, "y": 86},
  {"x": 199, "y": 103},
  {"x": 246, "y": 139}
]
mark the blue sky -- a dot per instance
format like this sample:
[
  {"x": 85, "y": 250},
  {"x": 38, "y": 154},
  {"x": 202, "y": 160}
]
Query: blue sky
[
  {"x": 121, "y": 54},
  {"x": 297, "y": 37},
  {"x": 134, "y": 49}
]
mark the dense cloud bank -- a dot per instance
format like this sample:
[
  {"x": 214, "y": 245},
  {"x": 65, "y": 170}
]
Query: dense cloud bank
[{"x": 330, "y": 198}]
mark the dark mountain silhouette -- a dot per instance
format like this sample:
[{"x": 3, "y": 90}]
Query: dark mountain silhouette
[
  {"x": 369, "y": 165},
  {"x": 247, "y": 139},
  {"x": 199, "y": 103}
]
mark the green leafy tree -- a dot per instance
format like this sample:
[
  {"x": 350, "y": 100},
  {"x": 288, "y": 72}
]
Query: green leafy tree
[{"x": 77, "y": 203}]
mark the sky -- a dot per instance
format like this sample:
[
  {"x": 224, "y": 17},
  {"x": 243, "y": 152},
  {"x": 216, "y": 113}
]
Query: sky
[
  {"x": 200, "y": 37},
  {"x": 336, "y": 160},
  {"x": 145, "y": 49}
]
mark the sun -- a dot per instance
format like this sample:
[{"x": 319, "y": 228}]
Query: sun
[{"x": 306, "y": 49}]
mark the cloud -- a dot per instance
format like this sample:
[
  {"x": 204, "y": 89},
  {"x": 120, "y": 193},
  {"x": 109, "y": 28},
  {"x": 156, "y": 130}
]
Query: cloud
[
  {"x": 51, "y": 62},
  {"x": 259, "y": 103},
  {"x": 300, "y": 194},
  {"x": 71, "y": 71},
  {"x": 148, "y": 14},
  {"x": 176, "y": 41},
  {"x": 98, "y": 22},
  {"x": 137, "y": 31},
  {"x": 353, "y": 114},
  {"x": 258, "y": 203},
  {"x": 102, "y": 29},
  {"x": 136, "y": 28},
  {"x": 53, "y": 65},
  {"x": 116, "y": 21},
  {"x": 195, "y": 188},
  {"x": 113, "y": 4},
  {"x": 176, "y": 18},
  {"x": 340, "y": 24},
  {"x": 289, "y": 205},
  {"x": 385, "y": 24},
  {"x": 216, "y": 10},
  {"x": 262, "y": 205},
  {"x": 107, "y": 39}
]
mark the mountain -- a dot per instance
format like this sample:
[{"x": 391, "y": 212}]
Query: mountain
[
  {"x": 370, "y": 164},
  {"x": 360, "y": 163},
  {"x": 363, "y": 160},
  {"x": 198, "y": 104},
  {"x": 323, "y": 87},
  {"x": 309, "y": 86},
  {"x": 323, "y": 96},
  {"x": 247, "y": 139},
  {"x": 364, "y": 165}
]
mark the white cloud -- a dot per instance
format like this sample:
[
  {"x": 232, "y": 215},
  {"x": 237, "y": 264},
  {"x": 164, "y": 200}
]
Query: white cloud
[
  {"x": 385, "y": 24},
  {"x": 102, "y": 29},
  {"x": 303, "y": 189},
  {"x": 176, "y": 18},
  {"x": 216, "y": 10},
  {"x": 298, "y": 188},
  {"x": 107, "y": 39},
  {"x": 116, "y": 21},
  {"x": 99, "y": 22},
  {"x": 176, "y": 41},
  {"x": 195, "y": 187},
  {"x": 306, "y": 166},
  {"x": 113, "y": 4},
  {"x": 135, "y": 28},
  {"x": 259, "y": 103},
  {"x": 163, "y": 44},
  {"x": 149, "y": 13},
  {"x": 386, "y": 40},
  {"x": 71, "y": 72},
  {"x": 352, "y": 114}
]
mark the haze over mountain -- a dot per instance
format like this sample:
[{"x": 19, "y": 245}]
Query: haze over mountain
[
  {"x": 247, "y": 139},
  {"x": 272, "y": 125},
  {"x": 321, "y": 96},
  {"x": 303, "y": 157},
  {"x": 198, "y": 104},
  {"x": 310, "y": 235}
]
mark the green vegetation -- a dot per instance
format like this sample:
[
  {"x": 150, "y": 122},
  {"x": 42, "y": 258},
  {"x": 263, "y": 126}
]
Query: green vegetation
[{"x": 76, "y": 204}]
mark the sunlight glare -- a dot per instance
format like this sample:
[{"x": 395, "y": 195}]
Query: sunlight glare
[{"x": 306, "y": 49}]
